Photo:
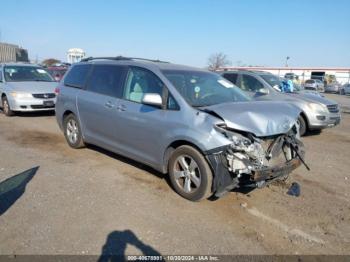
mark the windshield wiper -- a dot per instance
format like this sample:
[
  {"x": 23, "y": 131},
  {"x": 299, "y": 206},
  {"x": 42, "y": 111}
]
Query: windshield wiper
[{"x": 42, "y": 80}]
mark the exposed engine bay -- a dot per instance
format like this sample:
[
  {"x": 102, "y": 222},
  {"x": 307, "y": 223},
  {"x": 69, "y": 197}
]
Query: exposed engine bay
[{"x": 251, "y": 161}]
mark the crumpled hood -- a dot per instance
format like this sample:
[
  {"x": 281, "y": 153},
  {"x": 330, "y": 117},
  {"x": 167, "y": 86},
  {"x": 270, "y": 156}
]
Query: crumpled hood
[
  {"x": 262, "y": 118},
  {"x": 33, "y": 87}
]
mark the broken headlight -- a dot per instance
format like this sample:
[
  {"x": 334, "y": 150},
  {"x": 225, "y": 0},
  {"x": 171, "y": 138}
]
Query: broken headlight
[{"x": 249, "y": 147}]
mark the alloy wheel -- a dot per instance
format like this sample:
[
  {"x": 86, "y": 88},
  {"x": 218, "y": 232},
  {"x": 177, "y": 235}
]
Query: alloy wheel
[
  {"x": 187, "y": 174},
  {"x": 5, "y": 106},
  {"x": 72, "y": 131}
]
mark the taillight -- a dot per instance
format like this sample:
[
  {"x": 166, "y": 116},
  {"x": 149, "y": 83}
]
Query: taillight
[{"x": 57, "y": 91}]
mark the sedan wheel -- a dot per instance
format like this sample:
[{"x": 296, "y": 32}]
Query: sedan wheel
[{"x": 6, "y": 107}]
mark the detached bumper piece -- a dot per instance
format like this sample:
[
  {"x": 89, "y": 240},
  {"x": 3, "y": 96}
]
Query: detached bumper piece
[{"x": 271, "y": 173}]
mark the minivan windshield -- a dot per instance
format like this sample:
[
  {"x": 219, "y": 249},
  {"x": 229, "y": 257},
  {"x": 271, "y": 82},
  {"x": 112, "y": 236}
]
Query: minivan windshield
[
  {"x": 26, "y": 73},
  {"x": 201, "y": 88}
]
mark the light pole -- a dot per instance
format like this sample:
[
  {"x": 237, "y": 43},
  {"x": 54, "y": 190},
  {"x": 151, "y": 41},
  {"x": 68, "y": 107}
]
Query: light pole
[{"x": 287, "y": 58}]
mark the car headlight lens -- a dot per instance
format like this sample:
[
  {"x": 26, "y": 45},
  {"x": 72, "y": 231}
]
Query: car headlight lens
[
  {"x": 21, "y": 95},
  {"x": 317, "y": 107}
]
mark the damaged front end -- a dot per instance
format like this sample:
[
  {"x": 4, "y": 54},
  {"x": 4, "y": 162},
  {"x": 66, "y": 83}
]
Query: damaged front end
[{"x": 250, "y": 161}]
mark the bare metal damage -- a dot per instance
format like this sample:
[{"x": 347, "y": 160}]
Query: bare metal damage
[{"x": 253, "y": 162}]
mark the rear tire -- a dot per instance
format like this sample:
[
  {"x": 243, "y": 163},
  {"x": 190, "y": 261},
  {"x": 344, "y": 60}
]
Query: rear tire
[
  {"x": 6, "y": 107},
  {"x": 72, "y": 132},
  {"x": 190, "y": 173},
  {"x": 302, "y": 125}
]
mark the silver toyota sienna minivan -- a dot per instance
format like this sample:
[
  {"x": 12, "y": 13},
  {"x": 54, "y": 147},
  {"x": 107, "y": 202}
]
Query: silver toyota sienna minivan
[{"x": 186, "y": 122}]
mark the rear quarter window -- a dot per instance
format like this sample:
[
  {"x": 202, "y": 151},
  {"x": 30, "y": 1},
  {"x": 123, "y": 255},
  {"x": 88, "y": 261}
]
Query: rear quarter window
[
  {"x": 231, "y": 77},
  {"x": 77, "y": 76},
  {"x": 107, "y": 80}
]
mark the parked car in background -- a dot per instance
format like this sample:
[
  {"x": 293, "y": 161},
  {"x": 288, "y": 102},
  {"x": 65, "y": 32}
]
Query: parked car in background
[
  {"x": 334, "y": 87},
  {"x": 317, "y": 112},
  {"x": 314, "y": 84},
  {"x": 292, "y": 76},
  {"x": 26, "y": 87},
  {"x": 57, "y": 72},
  {"x": 188, "y": 122},
  {"x": 345, "y": 89}
]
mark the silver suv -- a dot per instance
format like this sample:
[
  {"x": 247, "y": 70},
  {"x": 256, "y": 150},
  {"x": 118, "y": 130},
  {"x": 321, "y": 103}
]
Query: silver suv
[
  {"x": 317, "y": 112},
  {"x": 187, "y": 122}
]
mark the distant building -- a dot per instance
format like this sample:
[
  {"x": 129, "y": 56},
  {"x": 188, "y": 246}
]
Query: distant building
[
  {"x": 74, "y": 55},
  {"x": 12, "y": 53}
]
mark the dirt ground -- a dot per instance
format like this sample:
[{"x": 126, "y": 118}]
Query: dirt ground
[{"x": 90, "y": 201}]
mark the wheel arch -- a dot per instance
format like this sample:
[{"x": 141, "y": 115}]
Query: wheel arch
[
  {"x": 67, "y": 113},
  {"x": 171, "y": 147}
]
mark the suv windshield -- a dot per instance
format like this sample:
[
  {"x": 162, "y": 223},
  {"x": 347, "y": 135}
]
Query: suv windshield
[
  {"x": 204, "y": 88},
  {"x": 26, "y": 73},
  {"x": 272, "y": 80}
]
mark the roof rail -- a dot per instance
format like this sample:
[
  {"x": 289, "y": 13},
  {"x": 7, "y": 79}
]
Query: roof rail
[
  {"x": 121, "y": 58},
  {"x": 108, "y": 58}
]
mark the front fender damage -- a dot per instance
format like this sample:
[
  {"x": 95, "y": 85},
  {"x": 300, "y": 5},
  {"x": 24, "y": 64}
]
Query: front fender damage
[{"x": 253, "y": 162}]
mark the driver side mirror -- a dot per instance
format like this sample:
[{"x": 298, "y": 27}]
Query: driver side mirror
[
  {"x": 152, "y": 99},
  {"x": 263, "y": 91}
]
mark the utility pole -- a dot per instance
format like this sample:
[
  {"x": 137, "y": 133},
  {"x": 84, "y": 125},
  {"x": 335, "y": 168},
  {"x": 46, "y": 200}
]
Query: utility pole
[{"x": 287, "y": 58}]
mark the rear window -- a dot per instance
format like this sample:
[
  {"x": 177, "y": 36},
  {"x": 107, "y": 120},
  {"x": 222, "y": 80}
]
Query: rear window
[
  {"x": 309, "y": 81},
  {"x": 76, "y": 77}
]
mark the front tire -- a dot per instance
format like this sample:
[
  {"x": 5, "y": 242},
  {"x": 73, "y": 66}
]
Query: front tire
[
  {"x": 302, "y": 126},
  {"x": 72, "y": 132},
  {"x": 190, "y": 173},
  {"x": 6, "y": 107}
]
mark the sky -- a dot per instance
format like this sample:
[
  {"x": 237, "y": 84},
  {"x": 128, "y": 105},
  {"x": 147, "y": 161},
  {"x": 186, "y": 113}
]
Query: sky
[{"x": 250, "y": 32}]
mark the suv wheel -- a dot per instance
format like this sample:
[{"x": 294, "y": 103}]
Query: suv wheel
[
  {"x": 72, "y": 132},
  {"x": 302, "y": 125},
  {"x": 190, "y": 174},
  {"x": 6, "y": 107}
]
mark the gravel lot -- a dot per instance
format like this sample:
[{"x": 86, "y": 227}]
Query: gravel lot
[{"x": 90, "y": 201}]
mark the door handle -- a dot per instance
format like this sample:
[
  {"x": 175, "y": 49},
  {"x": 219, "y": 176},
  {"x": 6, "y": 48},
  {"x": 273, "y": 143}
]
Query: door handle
[
  {"x": 109, "y": 104},
  {"x": 121, "y": 108}
]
